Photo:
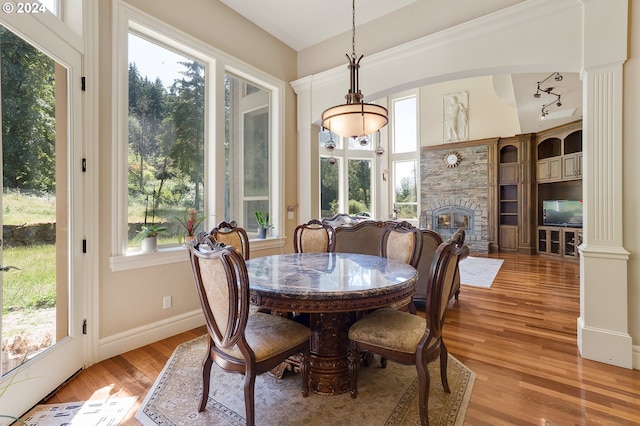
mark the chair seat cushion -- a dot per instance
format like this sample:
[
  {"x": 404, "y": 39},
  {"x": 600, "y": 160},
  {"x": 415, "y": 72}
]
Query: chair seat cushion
[
  {"x": 268, "y": 335},
  {"x": 390, "y": 329}
]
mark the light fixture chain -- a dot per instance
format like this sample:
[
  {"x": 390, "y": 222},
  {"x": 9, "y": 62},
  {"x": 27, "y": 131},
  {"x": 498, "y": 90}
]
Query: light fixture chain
[{"x": 353, "y": 28}]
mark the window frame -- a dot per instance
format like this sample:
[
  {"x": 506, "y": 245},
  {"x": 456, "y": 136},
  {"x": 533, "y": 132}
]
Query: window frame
[
  {"x": 217, "y": 64},
  {"x": 413, "y": 155},
  {"x": 343, "y": 154}
]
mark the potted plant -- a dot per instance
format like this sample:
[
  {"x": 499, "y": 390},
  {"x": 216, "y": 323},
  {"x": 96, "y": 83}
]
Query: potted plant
[
  {"x": 148, "y": 234},
  {"x": 263, "y": 223},
  {"x": 148, "y": 237},
  {"x": 190, "y": 222}
]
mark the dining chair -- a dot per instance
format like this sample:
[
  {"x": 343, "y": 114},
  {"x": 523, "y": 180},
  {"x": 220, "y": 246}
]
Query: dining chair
[
  {"x": 361, "y": 238},
  {"x": 401, "y": 241},
  {"x": 231, "y": 234},
  {"x": 240, "y": 342},
  {"x": 410, "y": 339},
  {"x": 431, "y": 240},
  {"x": 314, "y": 237},
  {"x": 458, "y": 240}
]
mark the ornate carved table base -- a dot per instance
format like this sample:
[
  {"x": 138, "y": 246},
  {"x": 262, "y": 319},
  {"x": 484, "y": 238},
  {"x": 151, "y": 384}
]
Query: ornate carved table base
[{"x": 329, "y": 373}]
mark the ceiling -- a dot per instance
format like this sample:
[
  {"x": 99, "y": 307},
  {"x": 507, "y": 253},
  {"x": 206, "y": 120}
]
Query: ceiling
[{"x": 302, "y": 23}]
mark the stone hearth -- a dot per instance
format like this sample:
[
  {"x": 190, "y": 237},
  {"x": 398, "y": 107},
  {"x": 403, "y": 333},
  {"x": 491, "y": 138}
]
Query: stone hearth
[{"x": 461, "y": 189}]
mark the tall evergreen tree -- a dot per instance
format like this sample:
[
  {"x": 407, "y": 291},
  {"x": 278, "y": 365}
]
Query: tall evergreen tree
[
  {"x": 186, "y": 123},
  {"x": 28, "y": 115}
]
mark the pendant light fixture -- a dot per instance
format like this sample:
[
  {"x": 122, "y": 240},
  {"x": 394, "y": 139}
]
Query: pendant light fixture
[{"x": 355, "y": 118}]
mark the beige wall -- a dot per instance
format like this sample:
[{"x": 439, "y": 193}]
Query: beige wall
[
  {"x": 489, "y": 116},
  {"x": 131, "y": 301}
]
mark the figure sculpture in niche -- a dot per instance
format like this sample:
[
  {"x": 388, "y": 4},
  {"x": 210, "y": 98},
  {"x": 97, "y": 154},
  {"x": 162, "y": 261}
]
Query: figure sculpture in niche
[{"x": 455, "y": 117}]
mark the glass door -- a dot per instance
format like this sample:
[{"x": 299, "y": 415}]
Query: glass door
[{"x": 41, "y": 328}]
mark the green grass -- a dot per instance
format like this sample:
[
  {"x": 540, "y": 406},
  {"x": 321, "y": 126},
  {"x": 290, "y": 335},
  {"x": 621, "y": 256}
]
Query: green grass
[
  {"x": 20, "y": 208},
  {"x": 33, "y": 287}
]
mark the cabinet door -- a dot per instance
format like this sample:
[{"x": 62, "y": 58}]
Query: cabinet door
[
  {"x": 555, "y": 241},
  {"x": 555, "y": 168},
  {"x": 571, "y": 239},
  {"x": 572, "y": 166},
  {"x": 550, "y": 169},
  {"x": 508, "y": 238},
  {"x": 543, "y": 240}
]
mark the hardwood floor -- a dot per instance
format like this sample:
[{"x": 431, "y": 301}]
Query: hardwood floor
[{"x": 519, "y": 337}]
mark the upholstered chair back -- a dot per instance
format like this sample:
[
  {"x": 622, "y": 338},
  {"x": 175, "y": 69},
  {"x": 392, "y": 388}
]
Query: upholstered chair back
[
  {"x": 401, "y": 241},
  {"x": 362, "y": 238},
  {"x": 430, "y": 242},
  {"x": 232, "y": 235},
  {"x": 314, "y": 237}
]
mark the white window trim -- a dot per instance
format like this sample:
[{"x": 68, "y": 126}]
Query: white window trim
[
  {"x": 404, "y": 156},
  {"x": 217, "y": 63}
]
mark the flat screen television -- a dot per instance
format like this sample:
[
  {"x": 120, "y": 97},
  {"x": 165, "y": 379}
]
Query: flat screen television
[{"x": 566, "y": 213}]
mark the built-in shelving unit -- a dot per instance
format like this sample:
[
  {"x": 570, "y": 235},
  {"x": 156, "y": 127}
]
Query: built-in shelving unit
[
  {"x": 558, "y": 177},
  {"x": 515, "y": 208}
]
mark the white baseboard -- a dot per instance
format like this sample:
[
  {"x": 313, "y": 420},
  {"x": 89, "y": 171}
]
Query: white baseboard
[
  {"x": 141, "y": 336},
  {"x": 636, "y": 357},
  {"x": 607, "y": 346}
]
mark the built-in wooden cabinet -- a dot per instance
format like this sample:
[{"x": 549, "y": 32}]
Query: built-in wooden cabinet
[
  {"x": 559, "y": 154},
  {"x": 549, "y": 240},
  {"x": 558, "y": 177},
  {"x": 572, "y": 166},
  {"x": 560, "y": 242},
  {"x": 515, "y": 208},
  {"x": 549, "y": 169}
]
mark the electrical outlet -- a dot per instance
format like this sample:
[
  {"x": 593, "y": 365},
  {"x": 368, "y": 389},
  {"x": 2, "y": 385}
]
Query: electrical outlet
[{"x": 166, "y": 302}]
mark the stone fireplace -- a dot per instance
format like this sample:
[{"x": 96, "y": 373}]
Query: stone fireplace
[{"x": 457, "y": 197}]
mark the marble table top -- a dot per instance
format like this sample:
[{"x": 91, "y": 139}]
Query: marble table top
[{"x": 326, "y": 276}]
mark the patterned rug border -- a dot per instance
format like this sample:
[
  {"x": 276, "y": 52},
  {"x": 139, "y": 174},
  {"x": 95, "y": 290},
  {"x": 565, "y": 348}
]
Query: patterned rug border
[{"x": 153, "y": 408}]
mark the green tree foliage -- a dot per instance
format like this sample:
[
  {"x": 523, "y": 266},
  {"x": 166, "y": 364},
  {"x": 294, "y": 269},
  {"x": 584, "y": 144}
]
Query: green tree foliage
[
  {"x": 28, "y": 115},
  {"x": 185, "y": 126},
  {"x": 360, "y": 182},
  {"x": 166, "y": 140},
  {"x": 406, "y": 191}
]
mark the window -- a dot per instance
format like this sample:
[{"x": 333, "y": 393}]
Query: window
[
  {"x": 404, "y": 157},
  {"x": 200, "y": 130},
  {"x": 346, "y": 176},
  {"x": 165, "y": 159},
  {"x": 246, "y": 151}
]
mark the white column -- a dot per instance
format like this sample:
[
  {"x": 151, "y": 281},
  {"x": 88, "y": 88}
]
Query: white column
[{"x": 603, "y": 330}]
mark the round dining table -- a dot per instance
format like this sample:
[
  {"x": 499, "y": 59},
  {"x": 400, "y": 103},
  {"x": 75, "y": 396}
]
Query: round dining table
[{"x": 329, "y": 290}]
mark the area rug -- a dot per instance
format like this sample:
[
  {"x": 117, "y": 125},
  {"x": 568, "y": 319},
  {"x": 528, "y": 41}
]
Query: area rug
[
  {"x": 479, "y": 271},
  {"x": 386, "y": 396},
  {"x": 105, "y": 412}
]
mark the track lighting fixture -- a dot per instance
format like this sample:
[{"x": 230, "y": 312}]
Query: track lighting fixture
[{"x": 548, "y": 91}]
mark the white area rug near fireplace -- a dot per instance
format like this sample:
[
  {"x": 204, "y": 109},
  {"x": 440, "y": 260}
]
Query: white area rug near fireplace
[{"x": 479, "y": 271}]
